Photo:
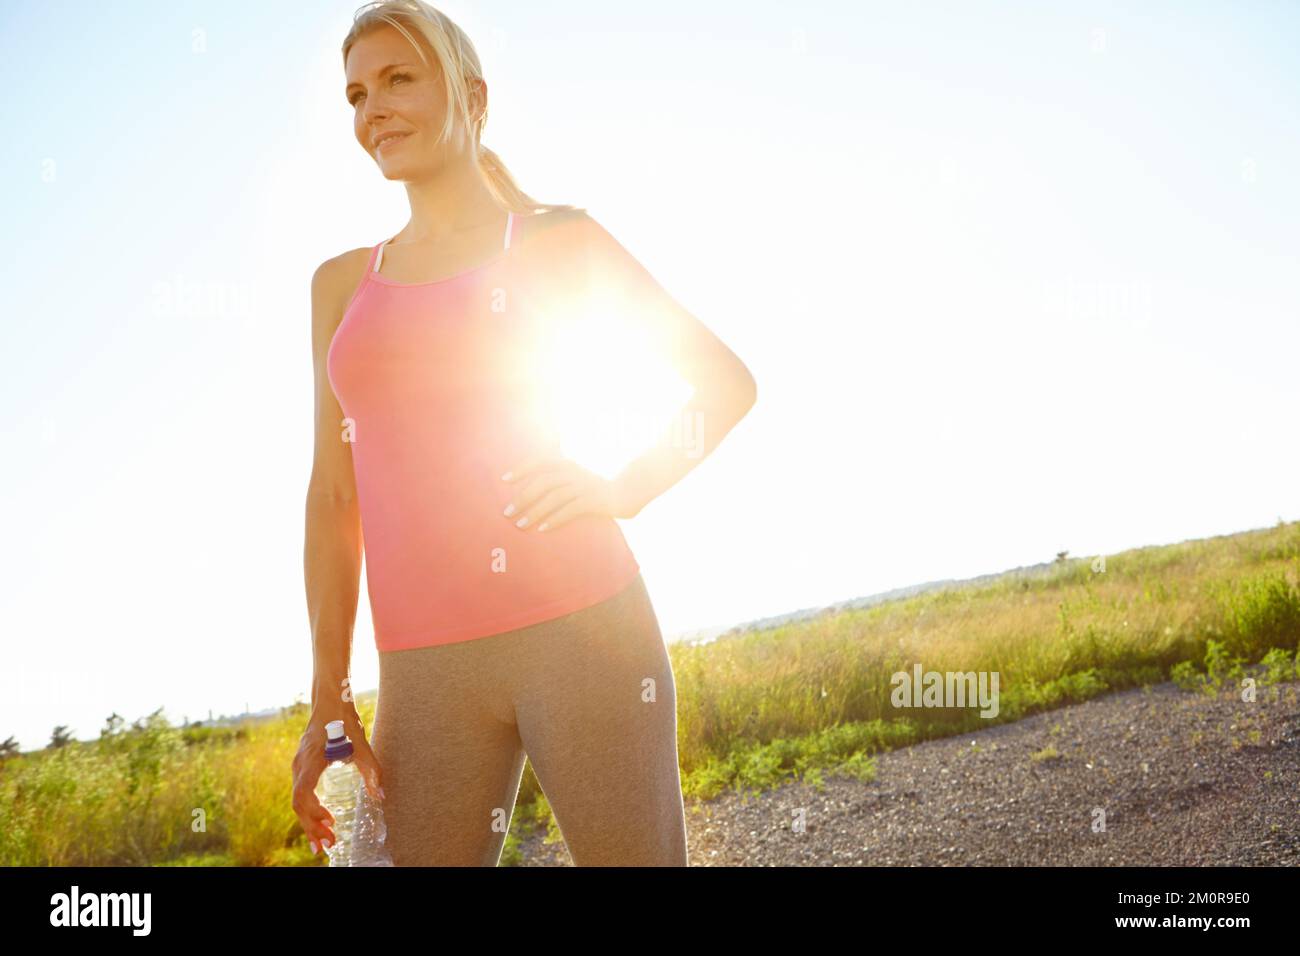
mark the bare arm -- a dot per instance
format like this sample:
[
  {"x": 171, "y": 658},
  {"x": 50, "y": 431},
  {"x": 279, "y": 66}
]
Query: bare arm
[
  {"x": 333, "y": 545},
  {"x": 332, "y": 553},
  {"x": 724, "y": 388},
  {"x": 696, "y": 430}
]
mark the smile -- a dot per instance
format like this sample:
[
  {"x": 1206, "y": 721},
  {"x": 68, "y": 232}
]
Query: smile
[{"x": 389, "y": 140}]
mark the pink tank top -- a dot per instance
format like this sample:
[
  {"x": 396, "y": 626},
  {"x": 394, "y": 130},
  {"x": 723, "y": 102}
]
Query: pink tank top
[{"x": 434, "y": 379}]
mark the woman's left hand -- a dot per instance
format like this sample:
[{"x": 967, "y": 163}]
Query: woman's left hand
[{"x": 550, "y": 492}]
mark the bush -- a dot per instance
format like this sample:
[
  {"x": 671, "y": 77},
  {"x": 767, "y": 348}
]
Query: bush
[
  {"x": 1278, "y": 666},
  {"x": 1259, "y": 613},
  {"x": 1186, "y": 676}
]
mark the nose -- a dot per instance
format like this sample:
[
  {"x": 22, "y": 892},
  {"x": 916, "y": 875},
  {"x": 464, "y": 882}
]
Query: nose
[{"x": 375, "y": 109}]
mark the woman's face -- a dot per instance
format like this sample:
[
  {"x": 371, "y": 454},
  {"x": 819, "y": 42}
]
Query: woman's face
[{"x": 392, "y": 91}]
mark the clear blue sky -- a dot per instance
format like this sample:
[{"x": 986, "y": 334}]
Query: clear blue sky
[{"x": 1013, "y": 278}]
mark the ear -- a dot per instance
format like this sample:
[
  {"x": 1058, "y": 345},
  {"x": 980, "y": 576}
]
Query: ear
[{"x": 478, "y": 98}]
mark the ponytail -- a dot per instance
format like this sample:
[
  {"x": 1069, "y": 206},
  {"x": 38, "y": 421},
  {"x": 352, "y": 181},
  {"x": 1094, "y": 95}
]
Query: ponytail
[{"x": 507, "y": 192}]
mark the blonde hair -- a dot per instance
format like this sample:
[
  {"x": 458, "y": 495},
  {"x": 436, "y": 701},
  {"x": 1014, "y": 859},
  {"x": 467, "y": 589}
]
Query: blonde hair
[{"x": 432, "y": 33}]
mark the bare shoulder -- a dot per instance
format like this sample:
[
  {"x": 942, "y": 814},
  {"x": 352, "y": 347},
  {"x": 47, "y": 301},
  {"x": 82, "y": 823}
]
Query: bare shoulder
[
  {"x": 339, "y": 276},
  {"x": 334, "y": 282},
  {"x": 549, "y": 220}
]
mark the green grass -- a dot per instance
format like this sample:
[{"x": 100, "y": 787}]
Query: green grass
[{"x": 791, "y": 703}]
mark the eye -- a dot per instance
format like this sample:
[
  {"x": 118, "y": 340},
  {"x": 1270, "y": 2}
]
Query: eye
[{"x": 393, "y": 77}]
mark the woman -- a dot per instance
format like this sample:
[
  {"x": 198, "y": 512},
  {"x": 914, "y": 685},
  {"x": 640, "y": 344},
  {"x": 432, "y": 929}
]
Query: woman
[{"x": 510, "y": 616}]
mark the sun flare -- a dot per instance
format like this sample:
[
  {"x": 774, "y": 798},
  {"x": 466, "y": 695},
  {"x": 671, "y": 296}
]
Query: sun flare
[{"x": 605, "y": 384}]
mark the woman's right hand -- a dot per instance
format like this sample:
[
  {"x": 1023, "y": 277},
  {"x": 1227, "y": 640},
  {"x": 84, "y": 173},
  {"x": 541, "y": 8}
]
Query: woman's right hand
[{"x": 309, "y": 763}]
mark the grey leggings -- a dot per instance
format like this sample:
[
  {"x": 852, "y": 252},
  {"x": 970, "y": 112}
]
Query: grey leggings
[{"x": 588, "y": 697}]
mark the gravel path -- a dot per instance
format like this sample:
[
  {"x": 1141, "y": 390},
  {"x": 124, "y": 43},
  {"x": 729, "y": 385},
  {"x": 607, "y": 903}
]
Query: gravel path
[{"x": 1184, "y": 779}]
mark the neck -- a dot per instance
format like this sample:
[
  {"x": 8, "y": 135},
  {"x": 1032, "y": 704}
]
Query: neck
[{"x": 455, "y": 200}]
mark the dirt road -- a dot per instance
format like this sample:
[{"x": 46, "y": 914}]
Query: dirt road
[{"x": 1181, "y": 778}]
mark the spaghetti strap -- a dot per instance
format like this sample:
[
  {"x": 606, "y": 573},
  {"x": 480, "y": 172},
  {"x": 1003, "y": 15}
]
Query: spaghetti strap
[{"x": 377, "y": 254}]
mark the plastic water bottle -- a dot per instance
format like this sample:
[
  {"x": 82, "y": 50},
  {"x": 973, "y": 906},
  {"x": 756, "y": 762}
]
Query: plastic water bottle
[{"x": 359, "y": 830}]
